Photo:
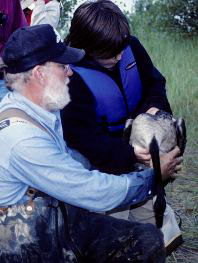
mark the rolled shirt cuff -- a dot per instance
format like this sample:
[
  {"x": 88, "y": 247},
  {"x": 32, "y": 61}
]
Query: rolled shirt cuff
[{"x": 140, "y": 187}]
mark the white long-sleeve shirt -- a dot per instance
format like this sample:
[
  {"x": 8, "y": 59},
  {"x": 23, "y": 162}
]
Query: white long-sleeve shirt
[{"x": 46, "y": 13}]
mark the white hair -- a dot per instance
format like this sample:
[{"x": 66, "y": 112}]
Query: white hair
[{"x": 16, "y": 81}]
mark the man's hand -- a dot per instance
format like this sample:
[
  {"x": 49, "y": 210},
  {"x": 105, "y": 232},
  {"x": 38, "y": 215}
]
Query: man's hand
[
  {"x": 170, "y": 164},
  {"x": 142, "y": 155}
]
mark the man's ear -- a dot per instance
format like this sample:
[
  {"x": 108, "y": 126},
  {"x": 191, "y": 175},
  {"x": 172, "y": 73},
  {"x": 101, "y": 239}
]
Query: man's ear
[{"x": 38, "y": 73}]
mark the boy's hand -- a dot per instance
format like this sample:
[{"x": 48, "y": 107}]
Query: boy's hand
[{"x": 142, "y": 155}]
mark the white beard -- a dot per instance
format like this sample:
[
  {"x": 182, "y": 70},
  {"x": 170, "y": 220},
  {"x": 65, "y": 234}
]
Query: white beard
[{"x": 56, "y": 95}]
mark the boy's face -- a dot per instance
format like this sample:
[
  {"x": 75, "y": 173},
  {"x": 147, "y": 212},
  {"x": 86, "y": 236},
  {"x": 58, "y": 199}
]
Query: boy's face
[{"x": 110, "y": 62}]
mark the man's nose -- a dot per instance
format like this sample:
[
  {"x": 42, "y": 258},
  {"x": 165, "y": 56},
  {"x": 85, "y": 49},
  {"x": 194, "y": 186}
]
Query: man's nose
[{"x": 69, "y": 72}]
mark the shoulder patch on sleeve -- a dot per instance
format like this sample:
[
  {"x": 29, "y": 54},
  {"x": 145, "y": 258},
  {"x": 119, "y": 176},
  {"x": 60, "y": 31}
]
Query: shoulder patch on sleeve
[{"x": 4, "y": 124}]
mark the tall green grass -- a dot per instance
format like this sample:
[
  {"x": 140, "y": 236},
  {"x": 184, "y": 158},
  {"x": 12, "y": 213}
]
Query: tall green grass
[{"x": 177, "y": 60}]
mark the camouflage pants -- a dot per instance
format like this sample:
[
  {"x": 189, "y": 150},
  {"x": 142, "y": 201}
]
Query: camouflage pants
[{"x": 55, "y": 232}]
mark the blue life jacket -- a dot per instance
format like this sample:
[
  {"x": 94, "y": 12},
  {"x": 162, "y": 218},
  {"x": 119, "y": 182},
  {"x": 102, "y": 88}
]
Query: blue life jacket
[{"x": 112, "y": 106}]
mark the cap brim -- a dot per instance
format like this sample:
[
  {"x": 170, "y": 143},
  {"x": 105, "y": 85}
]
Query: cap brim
[{"x": 70, "y": 56}]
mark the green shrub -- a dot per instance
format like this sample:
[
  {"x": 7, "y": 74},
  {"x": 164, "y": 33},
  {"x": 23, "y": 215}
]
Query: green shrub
[
  {"x": 178, "y": 16},
  {"x": 65, "y": 18}
]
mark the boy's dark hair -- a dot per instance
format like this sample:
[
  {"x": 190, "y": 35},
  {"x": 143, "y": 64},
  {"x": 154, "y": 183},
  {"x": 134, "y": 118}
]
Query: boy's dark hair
[{"x": 100, "y": 28}]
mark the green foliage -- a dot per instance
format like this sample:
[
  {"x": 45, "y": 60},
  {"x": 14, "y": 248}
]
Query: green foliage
[
  {"x": 184, "y": 15},
  {"x": 168, "y": 15},
  {"x": 66, "y": 14}
]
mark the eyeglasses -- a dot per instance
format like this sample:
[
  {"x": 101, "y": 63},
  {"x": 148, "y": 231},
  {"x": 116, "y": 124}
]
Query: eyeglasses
[
  {"x": 66, "y": 68},
  {"x": 3, "y": 18}
]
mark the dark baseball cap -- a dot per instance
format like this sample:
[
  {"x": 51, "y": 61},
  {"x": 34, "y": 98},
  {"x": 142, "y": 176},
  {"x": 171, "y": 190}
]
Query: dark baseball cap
[{"x": 34, "y": 45}]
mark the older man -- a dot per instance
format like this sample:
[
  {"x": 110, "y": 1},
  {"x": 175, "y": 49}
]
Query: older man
[{"x": 37, "y": 172}]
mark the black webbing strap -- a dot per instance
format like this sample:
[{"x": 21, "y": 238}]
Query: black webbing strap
[{"x": 67, "y": 233}]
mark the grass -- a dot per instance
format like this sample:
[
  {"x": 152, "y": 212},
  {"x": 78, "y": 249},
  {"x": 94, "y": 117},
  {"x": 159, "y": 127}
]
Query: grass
[
  {"x": 183, "y": 196},
  {"x": 177, "y": 59}
]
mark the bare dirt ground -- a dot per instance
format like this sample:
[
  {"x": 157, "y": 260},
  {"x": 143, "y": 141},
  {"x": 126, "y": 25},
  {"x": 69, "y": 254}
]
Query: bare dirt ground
[{"x": 182, "y": 194}]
